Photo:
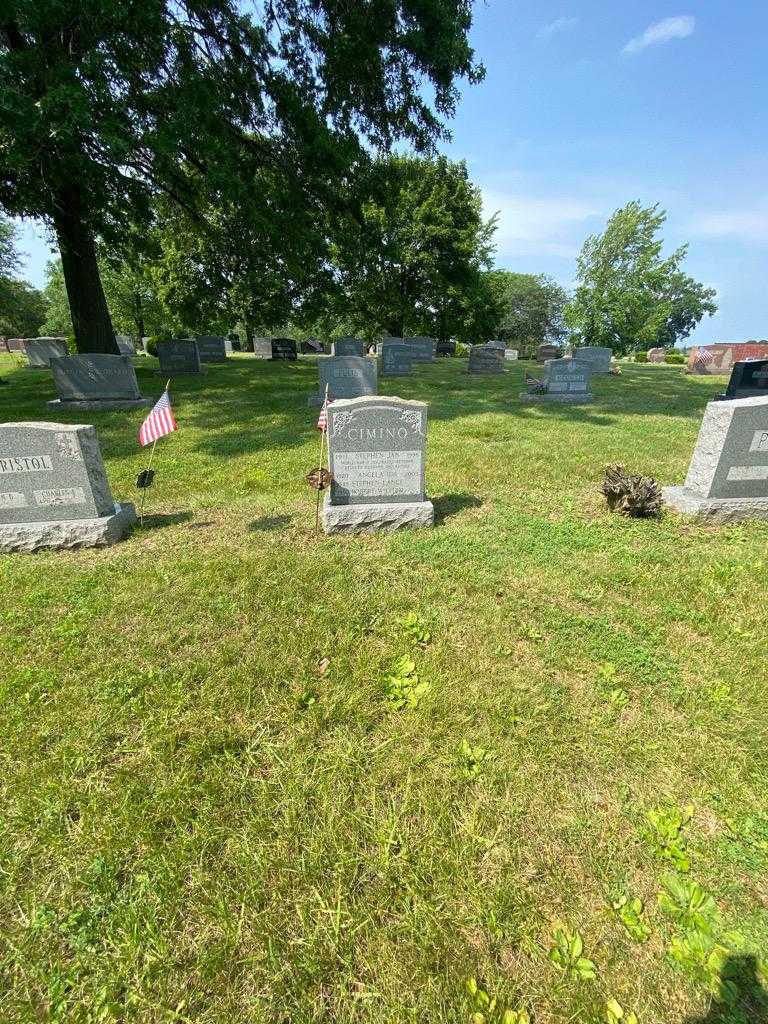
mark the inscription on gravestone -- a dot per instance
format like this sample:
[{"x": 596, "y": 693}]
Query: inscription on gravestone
[
  {"x": 96, "y": 381},
  {"x": 212, "y": 348},
  {"x": 178, "y": 356},
  {"x": 346, "y": 377},
  {"x": 348, "y": 347}
]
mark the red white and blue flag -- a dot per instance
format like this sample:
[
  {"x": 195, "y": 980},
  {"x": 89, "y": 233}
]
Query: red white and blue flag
[
  {"x": 159, "y": 422},
  {"x": 322, "y": 419}
]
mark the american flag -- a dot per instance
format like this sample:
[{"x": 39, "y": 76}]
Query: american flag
[
  {"x": 159, "y": 422},
  {"x": 533, "y": 382},
  {"x": 322, "y": 419},
  {"x": 703, "y": 355}
]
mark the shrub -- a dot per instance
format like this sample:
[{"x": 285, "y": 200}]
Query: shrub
[
  {"x": 641, "y": 357},
  {"x": 155, "y": 338},
  {"x": 674, "y": 357},
  {"x": 462, "y": 349},
  {"x": 72, "y": 344}
]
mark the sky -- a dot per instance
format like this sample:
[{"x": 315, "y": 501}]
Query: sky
[{"x": 590, "y": 104}]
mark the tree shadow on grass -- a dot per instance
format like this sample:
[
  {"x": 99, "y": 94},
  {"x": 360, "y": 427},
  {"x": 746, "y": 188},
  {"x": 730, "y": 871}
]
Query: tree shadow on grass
[
  {"x": 159, "y": 520},
  {"x": 748, "y": 1000},
  {"x": 268, "y": 523},
  {"x": 448, "y": 505}
]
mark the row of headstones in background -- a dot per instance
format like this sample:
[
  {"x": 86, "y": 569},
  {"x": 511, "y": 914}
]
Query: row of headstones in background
[
  {"x": 54, "y": 490},
  {"x": 715, "y": 359},
  {"x": 376, "y": 453},
  {"x": 564, "y": 380},
  {"x": 275, "y": 348},
  {"x": 486, "y": 359}
]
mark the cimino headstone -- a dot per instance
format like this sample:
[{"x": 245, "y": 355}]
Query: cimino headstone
[
  {"x": 396, "y": 358},
  {"x": 96, "y": 382},
  {"x": 486, "y": 359},
  {"x": 54, "y": 491},
  {"x": 262, "y": 348},
  {"x": 565, "y": 380},
  {"x": 348, "y": 347},
  {"x": 178, "y": 356},
  {"x": 423, "y": 348},
  {"x": 727, "y": 478},
  {"x": 40, "y": 351},
  {"x": 212, "y": 348},
  {"x": 546, "y": 351},
  {"x": 376, "y": 450},
  {"x": 749, "y": 379},
  {"x": 284, "y": 348},
  {"x": 346, "y": 377},
  {"x": 598, "y": 357}
]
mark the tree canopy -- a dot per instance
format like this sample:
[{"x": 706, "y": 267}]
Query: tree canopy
[
  {"x": 22, "y": 307},
  {"x": 531, "y": 308},
  {"x": 629, "y": 296}
]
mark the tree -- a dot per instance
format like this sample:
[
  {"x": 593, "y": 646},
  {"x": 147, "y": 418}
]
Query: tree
[
  {"x": 106, "y": 105},
  {"x": 532, "y": 307},
  {"x": 22, "y": 307},
  {"x": 628, "y": 296},
  {"x": 410, "y": 258}
]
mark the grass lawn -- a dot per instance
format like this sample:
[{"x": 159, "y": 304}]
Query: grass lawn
[{"x": 213, "y": 812}]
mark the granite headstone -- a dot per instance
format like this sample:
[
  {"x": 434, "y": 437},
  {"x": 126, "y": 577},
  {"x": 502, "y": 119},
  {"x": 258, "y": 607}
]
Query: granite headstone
[
  {"x": 423, "y": 348},
  {"x": 95, "y": 381},
  {"x": 125, "y": 344},
  {"x": 212, "y": 348},
  {"x": 486, "y": 359},
  {"x": 178, "y": 356},
  {"x": 348, "y": 347},
  {"x": 377, "y": 451},
  {"x": 284, "y": 348},
  {"x": 547, "y": 351},
  {"x": 511, "y": 354},
  {"x": 262, "y": 348},
  {"x": 445, "y": 348},
  {"x": 346, "y": 377},
  {"x": 565, "y": 380},
  {"x": 396, "y": 359},
  {"x": 749, "y": 379},
  {"x": 40, "y": 351},
  {"x": 598, "y": 357}
]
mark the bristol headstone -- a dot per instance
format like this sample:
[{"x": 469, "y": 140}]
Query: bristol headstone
[
  {"x": 212, "y": 348},
  {"x": 178, "y": 356},
  {"x": 284, "y": 348},
  {"x": 598, "y": 357},
  {"x": 40, "y": 351},
  {"x": 262, "y": 348},
  {"x": 346, "y": 377},
  {"x": 546, "y": 351},
  {"x": 423, "y": 348},
  {"x": 348, "y": 347},
  {"x": 727, "y": 479},
  {"x": 377, "y": 452},
  {"x": 486, "y": 359},
  {"x": 565, "y": 380},
  {"x": 54, "y": 491},
  {"x": 96, "y": 382},
  {"x": 396, "y": 359},
  {"x": 749, "y": 379}
]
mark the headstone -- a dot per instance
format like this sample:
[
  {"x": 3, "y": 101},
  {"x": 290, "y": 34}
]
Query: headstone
[
  {"x": 346, "y": 377},
  {"x": 15, "y": 344},
  {"x": 546, "y": 351},
  {"x": 500, "y": 345},
  {"x": 565, "y": 380},
  {"x": 212, "y": 348},
  {"x": 96, "y": 382},
  {"x": 262, "y": 348},
  {"x": 423, "y": 348},
  {"x": 486, "y": 359},
  {"x": 598, "y": 357},
  {"x": 727, "y": 479},
  {"x": 284, "y": 348},
  {"x": 54, "y": 491},
  {"x": 40, "y": 351},
  {"x": 348, "y": 347},
  {"x": 656, "y": 355},
  {"x": 376, "y": 450},
  {"x": 445, "y": 348},
  {"x": 311, "y": 347},
  {"x": 511, "y": 354},
  {"x": 178, "y": 356},
  {"x": 716, "y": 359},
  {"x": 396, "y": 358},
  {"x": 234, "y": 344},
  {"x": 749, "y": 379},
  {"x": 125, "y": 344}
]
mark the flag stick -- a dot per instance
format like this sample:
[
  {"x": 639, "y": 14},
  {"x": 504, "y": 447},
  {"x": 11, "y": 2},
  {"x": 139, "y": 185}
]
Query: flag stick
[
  {"x": 149, "y": 467},
  {"x": 320, "y": 463}
]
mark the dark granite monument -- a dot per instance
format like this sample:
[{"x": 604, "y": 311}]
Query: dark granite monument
[
  {"x": 396, "y": 358},
  {"x": 54, "y": 491},
  {"x": 284, "y": 348},
  {"x": 376, "y": 449},
  {"x": 348, "y": 347},
  {"x": 96, "y": 382},
  {"x": 749, "y": 379},
  {"x": 212, "y": 348},
  {"x": 346, "y": 377},
  {"x": 423, "y": 348},
  {"x": 445, "y": 348},
  {"x": 486, "y": 359},
  {"x": 178, "y": 356}
]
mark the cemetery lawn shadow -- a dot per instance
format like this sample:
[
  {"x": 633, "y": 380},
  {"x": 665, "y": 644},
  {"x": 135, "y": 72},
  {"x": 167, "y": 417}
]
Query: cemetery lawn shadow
[{"x": 251, "y": 774}]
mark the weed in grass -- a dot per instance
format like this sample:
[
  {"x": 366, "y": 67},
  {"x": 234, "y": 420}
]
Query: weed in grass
[
  {"x": 403, "y": 687},
  {"x": 472, "y": 760},
  {"x": 687, "y": 904},
  {"x": 486, "y": 1009},
  {"x": 664, "y": 833},
  {"x": 629, "y": 911},
  {"x": 308, "y": 698},
  {"x": 567, "y": 955},
  {"x": 614, "y": 1014},
  {"x": 414, "y": 631}
]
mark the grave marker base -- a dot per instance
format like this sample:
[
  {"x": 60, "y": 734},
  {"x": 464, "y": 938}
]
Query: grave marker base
[
  {"x": 714, "y": 510},
  {"x": 69, "y": 533},
  {"x": 100, "y": 404},
  {"x": 380, "y": 518},
  {"x": 561, "y": 398}
]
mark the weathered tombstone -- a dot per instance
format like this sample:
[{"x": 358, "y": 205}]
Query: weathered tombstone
[
  {"x": 511, "y": 354},
  {"x": 727, "y": 478},
  {"x": 423, "y": 348},
  {"x": 262, "y": 348},
  {"x": 346, "y": 377},
  {"x": 719, "y": 358},
  {"x": 348, "y": 347},
  {"x": 95, "y": 382},
  {"x": 212, "y": 348},
  {"x": 311, "y": 347},
  {"x": 396, "y": 358},
  {"x": 565, "y": 380},
  {"x": 284, "y": 348},
  {"x": 376, "y": 450},
  {"x": 749, "y": 379},
  {"x": 500, "y": 345},
  {"x": 178, "y": 356},
  {"x": 54, "y": 491},
  {"x": 40, "y": 351},
  {"x": 546, "y": 351},
  {"x": 598, "y": 357},
  {"x": 445, "y": 348},
  {"x": 656, "y": 355},
  {"x": 486, "y": 359},
  {"x": 125, "y": 344}
]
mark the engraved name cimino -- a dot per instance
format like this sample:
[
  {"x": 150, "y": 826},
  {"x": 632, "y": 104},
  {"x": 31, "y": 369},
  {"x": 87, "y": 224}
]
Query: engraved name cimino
[
  {"x": 375, "y": 433},
  {"x": 26, "y": 464}
]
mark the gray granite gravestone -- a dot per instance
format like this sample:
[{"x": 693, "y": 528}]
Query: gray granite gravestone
[
  {"x": 284, "y": 348},
  {"x": 511, "y": 354},
  {"x": 445, "y": 348},
  {"x": 423, "y": 348},
  {"x": 376, "y": 451},
  {"x": 125, "y": 344},
  {"x": 496, "y": 344},
  {"x": 54, "y": 491},
  {"x": 727, "y": 478},
  {"x": 656, "y": 355},
  {"x": 565, "y": 380},
  {"x": 599, "y": 358},
  {"x": 96, "y": 382},
  {"x": 348, "y": 347},
  {"x": 396, "y": 358},
  {"x": 212, "y": 348},
  {"x": 40, "y": 351},
  {"x": 178, "y": 356},
  {"x": 547, "y": 351},
  {"x": 262, "y": 348},
  {"x": 346, "y": 377},
  {"x": 486, "y": 359}
]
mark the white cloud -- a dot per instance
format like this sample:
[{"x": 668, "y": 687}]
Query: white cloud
[
  {"x": 749, "y": 225},
  {"x": 663, "y": 31},
  {"x": 527, "y": 225},
  {"x": 558, "y": 25}
]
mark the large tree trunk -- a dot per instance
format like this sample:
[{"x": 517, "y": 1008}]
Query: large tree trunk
[
  {"x": 90, "y": 316},
  {"x": 248, "y": 334}
]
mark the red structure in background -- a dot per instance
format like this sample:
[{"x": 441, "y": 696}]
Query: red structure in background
[{"x": 718, "y": 359}]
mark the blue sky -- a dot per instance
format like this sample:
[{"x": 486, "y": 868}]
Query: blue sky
[{"x": 589, "y": 104}]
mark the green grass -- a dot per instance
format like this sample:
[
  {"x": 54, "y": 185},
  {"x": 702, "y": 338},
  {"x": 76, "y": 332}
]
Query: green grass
[{"x": 199, "y": 824}]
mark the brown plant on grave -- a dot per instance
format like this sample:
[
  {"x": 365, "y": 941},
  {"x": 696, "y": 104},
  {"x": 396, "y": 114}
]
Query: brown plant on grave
[
  {"x": 630, "y": 494},
  {"x": 319, "y": 479}
]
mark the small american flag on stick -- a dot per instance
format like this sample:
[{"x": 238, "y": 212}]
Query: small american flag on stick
[
  {"x": 322, "y": 419},
  {"x": 704, "y": 355},
  {"x": 534, "y": 383},
  {"x": 159, "y": 422}
]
